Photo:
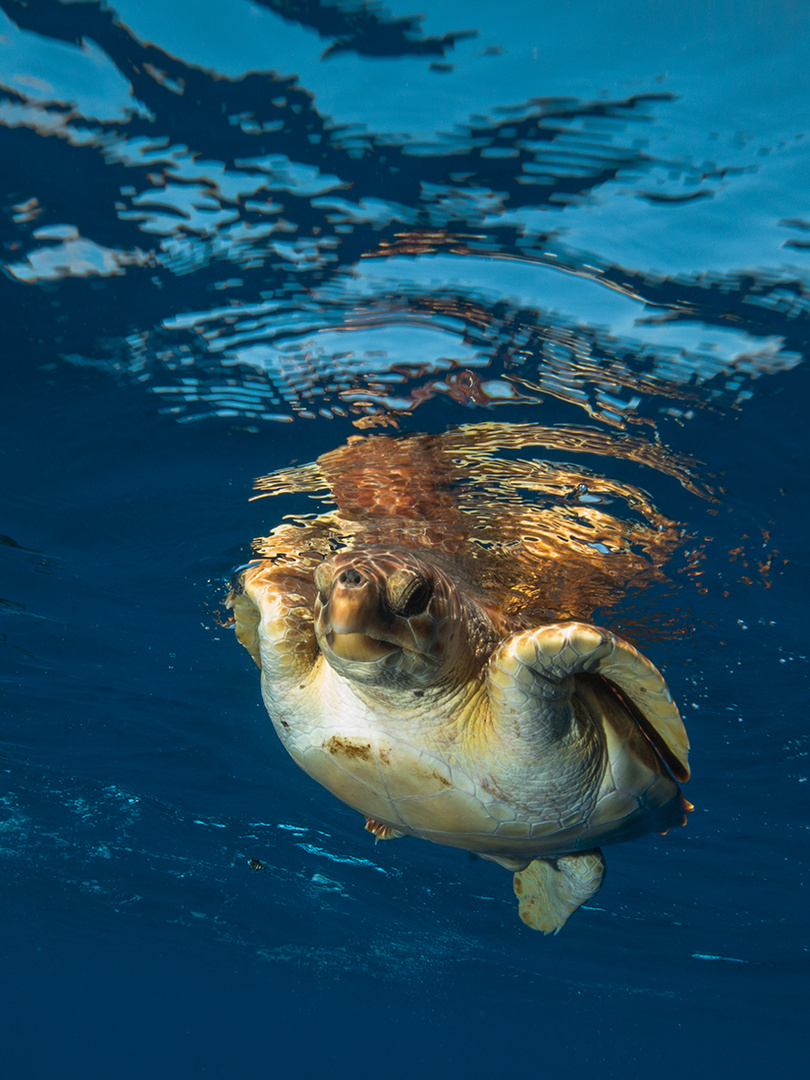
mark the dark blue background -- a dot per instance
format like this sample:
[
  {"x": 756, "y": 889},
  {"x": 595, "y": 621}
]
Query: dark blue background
[{"x": 140, "y": 773}]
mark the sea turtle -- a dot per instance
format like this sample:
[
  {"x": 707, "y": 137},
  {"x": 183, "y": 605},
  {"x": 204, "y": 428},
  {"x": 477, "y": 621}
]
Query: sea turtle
[{"x": 394, "y": 678}]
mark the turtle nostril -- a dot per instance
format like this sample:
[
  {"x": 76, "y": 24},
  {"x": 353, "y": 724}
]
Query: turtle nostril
[{"x": 350, "y": 577}]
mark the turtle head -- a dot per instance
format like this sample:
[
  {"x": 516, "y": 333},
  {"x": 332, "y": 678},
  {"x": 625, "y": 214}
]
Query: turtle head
[{"x": 388, "y": 618}]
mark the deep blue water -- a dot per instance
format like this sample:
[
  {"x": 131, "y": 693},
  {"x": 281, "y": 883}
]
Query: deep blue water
[{"x": 231, "y": 231}]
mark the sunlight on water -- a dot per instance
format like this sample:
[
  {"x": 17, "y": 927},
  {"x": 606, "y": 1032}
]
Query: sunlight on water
[{"x": 549, "y": 539}]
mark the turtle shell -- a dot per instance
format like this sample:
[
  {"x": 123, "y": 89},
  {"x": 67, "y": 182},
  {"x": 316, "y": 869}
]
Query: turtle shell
[{"x": 427, "y": 652}]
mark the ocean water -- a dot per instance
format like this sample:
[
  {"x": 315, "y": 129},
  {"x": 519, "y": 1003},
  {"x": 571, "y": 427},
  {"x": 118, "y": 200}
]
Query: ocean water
[{"x": 235, "y": 235}]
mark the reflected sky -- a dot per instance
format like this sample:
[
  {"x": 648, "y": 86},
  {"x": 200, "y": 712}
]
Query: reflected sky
[{"x": 489, "y": 220}]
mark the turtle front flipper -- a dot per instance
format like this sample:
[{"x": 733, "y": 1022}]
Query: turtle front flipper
[
  {"x": 549, "y": 890},
  {"x": 559, "y": 652},
  {"x": 272, "y": 609}
]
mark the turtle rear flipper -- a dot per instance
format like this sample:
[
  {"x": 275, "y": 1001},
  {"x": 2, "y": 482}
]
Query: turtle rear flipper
[
  {"x": 380, "y": 831},
  {"x": 549, "y": 890}
]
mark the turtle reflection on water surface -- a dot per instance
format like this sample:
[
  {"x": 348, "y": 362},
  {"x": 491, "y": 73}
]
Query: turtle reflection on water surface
[{"x": 425, "y": 654}]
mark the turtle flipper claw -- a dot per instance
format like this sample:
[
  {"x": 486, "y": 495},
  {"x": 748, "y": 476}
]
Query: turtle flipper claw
[{"x": 380, "y": 831}]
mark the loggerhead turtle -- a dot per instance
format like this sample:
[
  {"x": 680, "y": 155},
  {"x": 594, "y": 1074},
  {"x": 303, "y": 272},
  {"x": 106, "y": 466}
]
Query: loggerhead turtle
[{"x": 399, "y": 682}]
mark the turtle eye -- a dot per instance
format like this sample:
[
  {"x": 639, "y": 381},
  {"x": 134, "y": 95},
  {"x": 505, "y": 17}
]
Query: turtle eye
[
  {"x": 324, "y": 576},
  {"x": 408, "y": 593}
]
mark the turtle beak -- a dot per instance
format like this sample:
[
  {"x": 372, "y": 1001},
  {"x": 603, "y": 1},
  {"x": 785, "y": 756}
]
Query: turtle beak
[
  {"x": 353, "y": 609},
  {"x": 353, "y": 603}
]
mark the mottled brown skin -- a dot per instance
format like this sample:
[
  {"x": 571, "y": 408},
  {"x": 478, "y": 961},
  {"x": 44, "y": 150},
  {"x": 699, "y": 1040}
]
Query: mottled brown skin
[{"x": 393, "y": 683}]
